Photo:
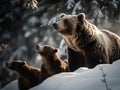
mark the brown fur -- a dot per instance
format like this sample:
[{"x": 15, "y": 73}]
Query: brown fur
[
  {"x": 28, "y": 76},
  {"x": 87, "y": 45},
  {"x": 52, "y": 64}
]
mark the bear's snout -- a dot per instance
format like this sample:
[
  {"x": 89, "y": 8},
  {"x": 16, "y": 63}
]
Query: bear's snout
[
  {"x": 37, "y": 47},
  {"x": 8, "y": 64},
  {"x": 55, "y": 25}
]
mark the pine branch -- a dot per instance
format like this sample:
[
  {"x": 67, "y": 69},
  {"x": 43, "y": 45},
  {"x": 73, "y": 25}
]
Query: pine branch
[{"x": 31, "y": 4}]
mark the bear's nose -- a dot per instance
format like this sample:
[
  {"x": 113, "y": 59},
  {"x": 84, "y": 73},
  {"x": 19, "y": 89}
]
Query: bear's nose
[
  {"x": 7, "y": 64},
  {"x": 55, "y": 25},
  {"x": 37, "y": 46}
]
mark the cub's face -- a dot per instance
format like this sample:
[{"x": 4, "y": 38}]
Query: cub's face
[
  {"x": 46, "y": 50},
  {"x": 14, "y": 65},
  {"x": 67, "y": 24}
]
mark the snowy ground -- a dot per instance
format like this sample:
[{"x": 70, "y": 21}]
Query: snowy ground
[{"x": 102, "y": 77}]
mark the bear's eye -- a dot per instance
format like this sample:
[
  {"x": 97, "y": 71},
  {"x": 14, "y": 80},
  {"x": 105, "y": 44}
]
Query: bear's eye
[
  {"x": 66, "y": 21},
  {"x": 46, "y": 47},
  {"x": 23, "y": 63},
  {"x": 62, "y": 16}
]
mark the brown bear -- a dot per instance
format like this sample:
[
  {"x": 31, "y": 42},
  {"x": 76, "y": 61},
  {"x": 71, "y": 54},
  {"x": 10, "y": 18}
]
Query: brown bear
[
  {"x": 52, "y": 64},
  {"x": 28, "y": 76},
  {"x": 87, "y": 45}
]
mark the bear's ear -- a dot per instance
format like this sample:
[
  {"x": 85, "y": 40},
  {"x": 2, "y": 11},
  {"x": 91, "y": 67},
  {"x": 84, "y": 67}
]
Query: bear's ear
[
  {"x": 62, "y": 15},
  {"x": 81, "y": 16},
  {"x": 55, "y": 50},
  {"x": 23, "y": 63}
]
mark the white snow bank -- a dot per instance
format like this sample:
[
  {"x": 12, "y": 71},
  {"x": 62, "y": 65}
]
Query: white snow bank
[
  {"x": 11, "y": 86},
  {"x": 100, "y": 78}
]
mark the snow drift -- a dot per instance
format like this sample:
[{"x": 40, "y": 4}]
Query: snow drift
[{"x": 102, "y": 77}]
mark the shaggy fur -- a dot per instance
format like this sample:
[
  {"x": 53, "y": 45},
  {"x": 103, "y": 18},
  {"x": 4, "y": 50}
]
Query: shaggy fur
[
  {"x": 52, "y": 64},
  {"x": 87, "y": 45},
  {"x": 28, "y": 76}
]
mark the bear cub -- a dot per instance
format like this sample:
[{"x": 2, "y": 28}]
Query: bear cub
[
  {"x": 28, "y": 76},
  {"x": 52, "y": 64}
]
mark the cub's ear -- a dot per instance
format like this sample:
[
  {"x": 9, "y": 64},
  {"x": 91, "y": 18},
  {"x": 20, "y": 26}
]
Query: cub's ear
[
  {"x": 81, "y": 16},
  {"x": 23, "y": 62},
  {"x": 56, "y": 50}
]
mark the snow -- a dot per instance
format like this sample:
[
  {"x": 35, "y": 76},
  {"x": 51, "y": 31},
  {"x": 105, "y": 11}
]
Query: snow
[
  {"x": 11, "y": 86},
  {"x": 70, "y": 4},
  {"x": 30, "y": 33},
  {"x": 62, "y": 48},
  {"x": 33, "y": 21},
  {"x": 52, "y": 20},
  {"x": 85, "y": 79},
  {"x": 20, "y": 50},
  {"x": 102, "y": 77},
  {"x": 77, "y": 7}
]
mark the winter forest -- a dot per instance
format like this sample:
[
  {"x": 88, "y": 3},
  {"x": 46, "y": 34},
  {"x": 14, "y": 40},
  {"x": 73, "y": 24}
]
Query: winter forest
[{"x": 26, "y": 23}]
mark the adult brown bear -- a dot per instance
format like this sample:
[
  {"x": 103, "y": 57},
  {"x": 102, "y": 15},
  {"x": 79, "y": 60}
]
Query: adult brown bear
[{"x": 87, "y": 45}]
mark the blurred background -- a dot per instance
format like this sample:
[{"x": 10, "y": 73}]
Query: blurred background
[{"x": 26, "y": 23}]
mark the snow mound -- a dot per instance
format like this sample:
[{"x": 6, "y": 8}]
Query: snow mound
[
  {"x": 11, "y": 86},
  {"x": 102, "y": 77}
]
